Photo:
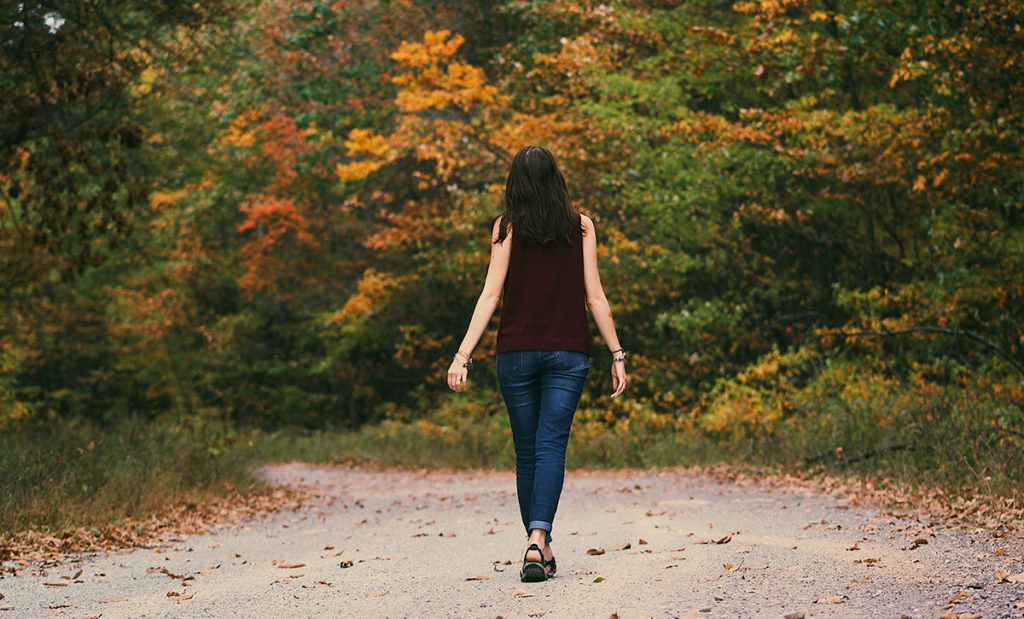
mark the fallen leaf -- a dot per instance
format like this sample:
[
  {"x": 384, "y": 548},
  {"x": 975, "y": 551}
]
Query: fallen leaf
[
  {"x": 957, "y": 597},
  {"x": 56, "y": 605},
  {"x": 595, "y": 551},
  {"x": 642, "y": 541},
  {"x": 537, "y": 613},
  {"x": 328, "y": 547},
  {"x": 522, "y": 593},
  {"x": 865, "y": 579},
  {"x": 625, "y": 546},
  {"x": 77, "y": 574},
  {"x": 731, "y": 567},
  {"x": 1018, "y": 578},
  {"x": 599, "y": 579},
  {"x": 6, "y": 607},
  {"x": 832, "y": 599},
  {"x": 479, "y": 577},
  {"x": 290, "y": 566},
  {"x": 1001, "y": 575},
  {"x": 918, "y": 542},
  {"x": 55, "y": 583},
  {"x": 345, "y": 564},
  {"x": 854, "y": 547},
  {"x": 793, "y": 616},
  {"x": 111, "y": 600},
  {"x": 678, "y": 557},
  {"x": 650, "y": 513},
  {"x": 724, "y": 540}
]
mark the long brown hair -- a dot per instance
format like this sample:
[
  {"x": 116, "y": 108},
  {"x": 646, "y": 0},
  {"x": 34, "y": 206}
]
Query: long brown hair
[{"x": 537, "y": 202}]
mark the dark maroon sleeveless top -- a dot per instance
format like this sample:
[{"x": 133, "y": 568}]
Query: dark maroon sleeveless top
[{"x": 544, "y": 307}]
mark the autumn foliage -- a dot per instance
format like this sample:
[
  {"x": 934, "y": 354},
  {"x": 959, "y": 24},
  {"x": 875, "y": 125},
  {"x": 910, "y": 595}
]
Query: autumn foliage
[{"x": 804, "y": 207}]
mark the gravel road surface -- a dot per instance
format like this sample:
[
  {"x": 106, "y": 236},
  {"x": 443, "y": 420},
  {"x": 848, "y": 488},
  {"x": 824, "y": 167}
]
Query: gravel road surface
[{"x": 394, "y": 543}]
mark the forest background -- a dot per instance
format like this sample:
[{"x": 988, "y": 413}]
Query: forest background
[{"x": 234, "y": 231}]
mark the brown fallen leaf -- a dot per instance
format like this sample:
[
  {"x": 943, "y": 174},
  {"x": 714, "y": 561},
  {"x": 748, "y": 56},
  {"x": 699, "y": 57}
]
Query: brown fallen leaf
[
  {"x": 678, "y": 557},
  {"x": 796, "y": 615},
  {"x": 1001, "y": 575},
  {"x": 56, "y": 583},
  {"x": 522, "y": 593},
  {"x": 917, "y": 542},
  {"x": 479, "y": 577},
  {"x": 730, "y": 567},
  {"x": 328, "y": 547},
  {"x": 958, "y": 596},
  {"x": 290, "y": 566},
  {"x": 724, "y": 540},
  {"x": 854, "y": 547},
  {"x": 865, "y": 579},
  {"x": 595, "y": 551},
  {"x": 6, "y": 607},
  {"x": 832, "y": 599},
  {"x": 537, "y": 613},
  {"x": 1018, "y": 578},
  {"x": 77, "y": 574},
  {"x": 57, "y": 605},
  {"x": 625, "y": 546},
  {"x": 651, "y": 513},
  {"x": 642, "y": 541},
  {"x": 112, "y": 600}
]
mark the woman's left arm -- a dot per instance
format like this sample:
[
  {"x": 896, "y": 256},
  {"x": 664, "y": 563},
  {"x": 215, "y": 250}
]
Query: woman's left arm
[{"x": 485, "y": 305}]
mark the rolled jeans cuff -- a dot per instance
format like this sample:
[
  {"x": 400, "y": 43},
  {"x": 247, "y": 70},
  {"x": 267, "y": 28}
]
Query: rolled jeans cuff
[{"x": 540, "y": 524}]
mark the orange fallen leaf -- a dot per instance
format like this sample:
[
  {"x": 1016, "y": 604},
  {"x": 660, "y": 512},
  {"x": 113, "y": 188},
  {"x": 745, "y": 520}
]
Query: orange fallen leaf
[
  {"x": 522, "y": 593},
  {"x": 642, "y": 541},
  {"x": 479, "y": 577},
  {"x": 957, "y": 597},
  {"x": 731, "y": 567},
  {"x": 724, "y": 540},
  {"x": 595, "y": 551},
  {"x": 290, "y": 566},
  {"x": 865, "y": 579},
  {"x": 6, "y": 607},
  {"x": 625, "y": 546},
  {"x": 854, "y": 547}
]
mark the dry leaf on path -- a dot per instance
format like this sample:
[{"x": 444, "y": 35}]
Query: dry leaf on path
[
  {"x": 832, "y": 599},
  {"x": 730, "y": 567},
  {"x": 1018, "y": 578},
  {"x": 522, "y": 593},
  {"x": 958, "y": 596},
  {"x": 479, "y": 577},
  {"x": 625, "y": 546},
  {"x": 289, "y": 566},
  {"x": 595, "y": 551},
  {"x": 6, "y": 607},
  {"x": 537, "y": 613},
  {"x": 55, "y": 583},
  {"x": 797, "y": 615},
  {"x": 57, "y": 605},
  {"x": 642, "y": 541},
  {"x": 1001, "y": 575},
  {"x": 854, "y": 547},
  {"x": 724, "y": 540},
  {"x": 77, "y": 574}
]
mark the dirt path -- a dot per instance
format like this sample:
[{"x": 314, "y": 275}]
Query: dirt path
[{"x": 440, "y": 544}]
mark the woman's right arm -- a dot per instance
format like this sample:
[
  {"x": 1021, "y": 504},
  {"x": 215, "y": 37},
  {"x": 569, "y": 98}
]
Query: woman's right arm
[{"x": 598, "y": 303}]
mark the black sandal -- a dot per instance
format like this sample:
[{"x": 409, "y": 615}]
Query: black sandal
[
  {"x": 550, "y": 563},
  {"x": 533, "y": 571}
]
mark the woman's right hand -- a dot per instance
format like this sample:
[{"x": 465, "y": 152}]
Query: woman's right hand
[{"x": 619, "y": 379}]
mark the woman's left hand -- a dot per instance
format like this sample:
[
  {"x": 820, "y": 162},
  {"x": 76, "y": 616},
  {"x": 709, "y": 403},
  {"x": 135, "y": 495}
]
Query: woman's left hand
[{"x": 457, "y": 374}]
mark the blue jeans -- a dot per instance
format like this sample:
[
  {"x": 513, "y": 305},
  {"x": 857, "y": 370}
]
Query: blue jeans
[{"x": 541, "y": 389}]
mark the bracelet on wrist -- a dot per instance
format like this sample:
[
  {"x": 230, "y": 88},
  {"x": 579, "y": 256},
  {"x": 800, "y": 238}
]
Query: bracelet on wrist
[
  {"x": 467, "y": 359},
  {"x": 621, "y": 355}
]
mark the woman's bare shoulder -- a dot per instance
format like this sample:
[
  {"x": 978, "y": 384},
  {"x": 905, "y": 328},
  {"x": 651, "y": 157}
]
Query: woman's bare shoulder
[{"x": 588, "y": 223}]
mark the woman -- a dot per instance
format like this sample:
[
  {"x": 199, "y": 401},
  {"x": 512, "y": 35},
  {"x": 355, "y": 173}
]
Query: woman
[{"x": 544, "y": 256}]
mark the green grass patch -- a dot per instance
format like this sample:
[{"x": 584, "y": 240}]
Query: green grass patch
[{"x": 77, "y": 474}]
